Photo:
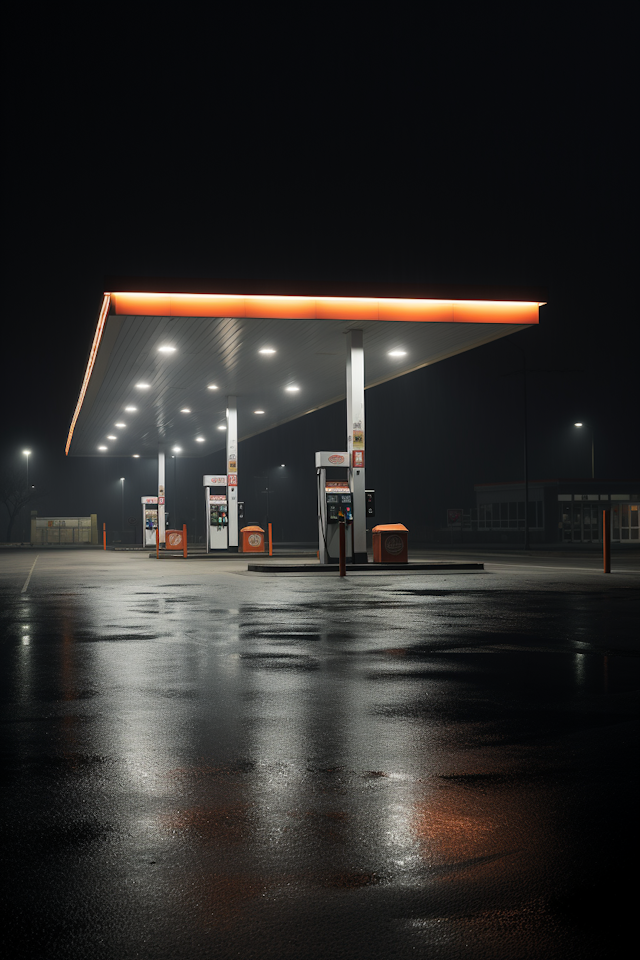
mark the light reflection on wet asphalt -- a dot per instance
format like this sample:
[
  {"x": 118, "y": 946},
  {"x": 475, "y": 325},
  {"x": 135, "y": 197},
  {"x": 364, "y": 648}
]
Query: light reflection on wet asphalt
[{"x": 201, "y": 762}]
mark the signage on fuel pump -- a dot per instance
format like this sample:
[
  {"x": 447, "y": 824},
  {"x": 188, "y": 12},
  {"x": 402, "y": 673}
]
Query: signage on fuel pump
[
  {"x": 337, "y": 486},
  {"x": 331, "y": 458},
  {"x": 357, "y": 459},
  {"x": 240, "y": 509},
  {"x": 214, "y": 480}
]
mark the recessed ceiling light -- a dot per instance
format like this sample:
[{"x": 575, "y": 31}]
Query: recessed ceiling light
[
  {"x": 111, "y": 437},
  {"x": 266, "y": 350},
  {"x": 131, "y": 409},
  {"x": 199, "y": 439},
  {"x": 103, "y": 448},
  {"x": 397, "y": 353},
  {"x": 222, "y": 426},
  {"x": 293, "y": 389},
  {"x": 258, "y": 411},
  {"x": 212, "y": 386},
  {"x": 166, "y": 349},
  {"x": 136, "y": 456},
  {"x": 120, "y": 425},
  {"x": 142, "y": 386},
  {"x": 177, "y": 449},
  {"x": 185, "y": 410}
]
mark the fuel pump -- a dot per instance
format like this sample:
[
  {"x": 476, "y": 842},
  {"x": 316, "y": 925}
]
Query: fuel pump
[
  {"x": 216, "y": 512},
  {"x": 335, "y": 504},
  {"x": 149, "y": 520}
]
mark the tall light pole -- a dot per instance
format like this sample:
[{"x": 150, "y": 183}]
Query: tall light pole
[
  {"x": 593, "y": 470},
  {"x": 27, "y": 453},
  {"x": 122, "y": 490}
]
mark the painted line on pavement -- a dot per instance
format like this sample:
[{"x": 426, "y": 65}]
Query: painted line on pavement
[
  {"x": 536, "y": 566},
  {"x": 26, "y": 583}
]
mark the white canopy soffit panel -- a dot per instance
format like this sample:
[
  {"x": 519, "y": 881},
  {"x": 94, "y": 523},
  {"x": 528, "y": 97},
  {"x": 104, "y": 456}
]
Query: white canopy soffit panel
[{"x": 162, "y": 363}]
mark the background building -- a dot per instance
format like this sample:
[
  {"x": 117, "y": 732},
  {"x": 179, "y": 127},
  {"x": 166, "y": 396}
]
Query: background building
[{"x": 560, "y": 511}]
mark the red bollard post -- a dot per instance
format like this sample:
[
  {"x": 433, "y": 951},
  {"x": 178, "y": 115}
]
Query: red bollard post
[
  {"x": 270, "y": 540},
  {"x": 342, "y": 566},
  {"x": 157, "y": 543},
  {"x": 104, "y": 536},
  {"x": 606, "y": 541},
  {"x": 184, "y": 540}
]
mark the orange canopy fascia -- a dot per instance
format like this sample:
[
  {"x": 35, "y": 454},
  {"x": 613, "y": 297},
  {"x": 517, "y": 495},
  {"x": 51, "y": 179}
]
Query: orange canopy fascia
[
  {"x": 104, "y": 313},
  {"x": 129, "y": 303}
]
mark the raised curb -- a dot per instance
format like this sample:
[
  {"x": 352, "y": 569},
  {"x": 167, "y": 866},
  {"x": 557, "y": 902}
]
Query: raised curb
[{"x": 359, "y": 567}]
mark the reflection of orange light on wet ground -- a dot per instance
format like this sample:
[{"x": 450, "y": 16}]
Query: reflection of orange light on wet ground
[
  {"x": 476, "y": 818},
  {"x": 219, "y": 824},
  {"x": 449, "y": 834},
  {"x": 222, "y": 895},
  {"x": 324, "y": 308}
]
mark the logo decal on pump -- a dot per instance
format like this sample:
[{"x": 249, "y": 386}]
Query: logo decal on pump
[{"x": 336, "y": 458}]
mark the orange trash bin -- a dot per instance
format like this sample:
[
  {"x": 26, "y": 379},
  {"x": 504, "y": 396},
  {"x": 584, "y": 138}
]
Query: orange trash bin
[
  {"x": 390, "y": 543},
  {"x": 173, "y": 540},
  {"x": 251, "y": 540}
]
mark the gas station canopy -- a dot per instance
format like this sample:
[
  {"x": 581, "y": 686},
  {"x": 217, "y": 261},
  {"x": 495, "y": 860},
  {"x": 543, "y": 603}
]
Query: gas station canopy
[{"x": 166, "y": 354}]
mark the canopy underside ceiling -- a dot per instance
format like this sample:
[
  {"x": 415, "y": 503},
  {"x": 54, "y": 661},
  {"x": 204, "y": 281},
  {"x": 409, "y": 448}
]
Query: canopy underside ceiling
[{"x": 224, "y": 352}]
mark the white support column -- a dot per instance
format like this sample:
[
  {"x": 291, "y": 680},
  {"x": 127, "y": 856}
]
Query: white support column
[
  {"x": 161, "y": 495},
  {"x": 232, "y": 472},
  {"x": 355, "y": 441}
]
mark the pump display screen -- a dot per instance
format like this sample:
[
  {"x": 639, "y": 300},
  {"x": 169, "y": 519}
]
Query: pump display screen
[
  {"x": 218, "y": 516},
  {"x": 339, "y": 507},
  {"x": 151, "y": 519}
]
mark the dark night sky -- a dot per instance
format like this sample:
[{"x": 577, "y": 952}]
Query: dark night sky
[{"x": 324, "y": 151}]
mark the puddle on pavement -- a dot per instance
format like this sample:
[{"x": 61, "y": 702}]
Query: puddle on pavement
[{"x": 520, "y": 672}]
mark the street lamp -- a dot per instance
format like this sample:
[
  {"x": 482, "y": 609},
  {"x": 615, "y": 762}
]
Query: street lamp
[
  {"x": 27, "y": 453},
  {"x": 593, "y": 472},
  {"x": 122, "y": 490}
]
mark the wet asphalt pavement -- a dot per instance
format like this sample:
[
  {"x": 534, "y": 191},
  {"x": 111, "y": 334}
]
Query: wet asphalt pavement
[{"x": 202, "y": 762}]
